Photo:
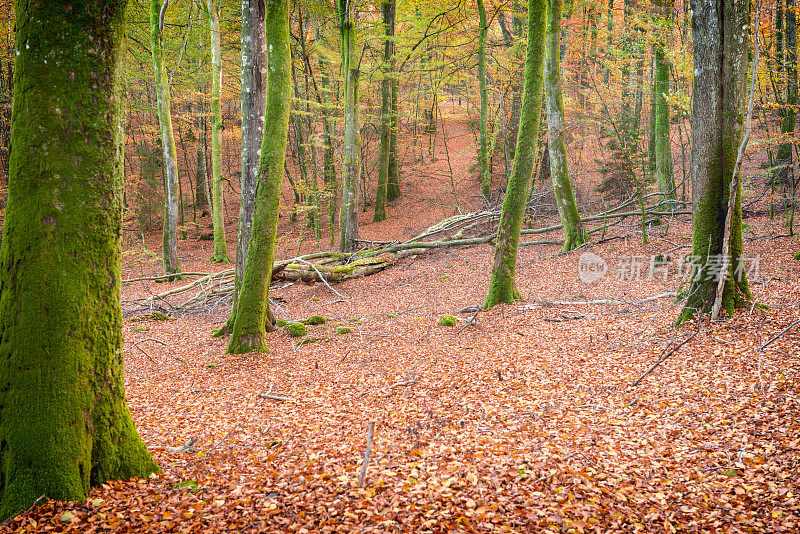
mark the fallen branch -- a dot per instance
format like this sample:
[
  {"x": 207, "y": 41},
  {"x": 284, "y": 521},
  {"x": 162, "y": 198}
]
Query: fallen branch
[
  {"x": 165, "y": 277},
  {"x": 768, "y": 343},
  {"x": 278, "y": 398},
  {"x": 186, "y": 447},
  {"x": 551, "y": 303},
  {"x": 664, "y": 358}
]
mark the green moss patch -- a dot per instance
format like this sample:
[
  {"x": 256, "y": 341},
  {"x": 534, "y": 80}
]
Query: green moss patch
[
  {"x": 297, "y": 329},
  {"x": 344, "y": 330},
  {"x": 447, "y": 320},
  {"x": 315, "y": 320}
]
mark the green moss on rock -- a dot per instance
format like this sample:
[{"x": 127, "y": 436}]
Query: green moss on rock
[
  {"x": 447, "y": 320},
  {"x": 315, "y": 320},
  {"x": 280, "y": 323},
  {"x": 297, "y": 329},
  {"x": 344, "y": 330}
]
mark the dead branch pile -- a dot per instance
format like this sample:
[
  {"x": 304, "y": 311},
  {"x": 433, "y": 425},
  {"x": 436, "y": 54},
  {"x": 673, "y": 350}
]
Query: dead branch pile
[{"x": 212, "y": 292}]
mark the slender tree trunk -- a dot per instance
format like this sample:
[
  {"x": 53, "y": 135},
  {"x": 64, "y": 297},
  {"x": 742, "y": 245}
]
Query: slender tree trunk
[
  {"x": 609, "y": 40},
  {"x": 328, "y": 136},
  {"x": 393, "y": 186},
  {"x": 483, "y": 152},
  {"x": 201, "y": 200},
  {"x": 348, "y": 220},
  {"x": 574, "y": 233},
  {"x": 387, "y": 8},
  {"x": 220, "y": 246},
  {"x": 254, "y": 55},
  {"x": 502, "y": 286},
  {"x": 253, "y": 304},
  {"x": 785, "y": 160},
  {"x": 661, "y": 127},
  {"x": 662, "y": 146},
  {"x": 170, "y": 232},
  {"x": 720, "y": 36},
  {"x": 64, "y": 422},
  {"x": 516, "y": 91}
]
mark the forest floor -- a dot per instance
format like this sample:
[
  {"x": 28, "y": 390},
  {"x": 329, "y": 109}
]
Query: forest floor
[{"x": 526, "y": 420}]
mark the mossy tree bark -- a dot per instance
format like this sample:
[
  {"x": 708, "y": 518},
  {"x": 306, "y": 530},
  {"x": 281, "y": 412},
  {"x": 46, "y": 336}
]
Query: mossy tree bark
[
  {"x": 393, "y": 185},
  {"x": 719, "y": 34},
  {"x": 513, "y": 40},
  {"x": 387, "y": 8},
  {"x": 502, "y": 286},
  {"x": 254, "y": 52},
  {"x": 253, "y": 304},
  {"x": 348, "y": 219},
  {"x": 170, "y": 232},
  {"x": 784, "y": 157},
  {"x": 574, "y": 233},
  {"x": 662, "y": 147},
  {"x": 328, "y": 133},
  {"x": 64, "y": 422},
  {"x": 483, "y": 150},
  {"x": 220, "y": 254}
]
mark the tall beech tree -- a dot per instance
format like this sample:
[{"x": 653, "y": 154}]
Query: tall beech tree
[
  {"x": 252, "y": 306},
  {"x": 662, "y": 147},
  {"x": 220, "y": 254},
  {"x": 254, "y": 55},
  {"x": 387, "y": 9},
  {"x": 483, "y": 150},
  {"x": 574, "y": 233},
  {"x": 328, "y": 131},
  {"x": 502, "y": 286},
  {"x": 64, "y": 423},
  {"x": 348, "y": 219},
  {"x": 785, "y": 171},
  {"x": 170, "y": 231},
  {"x": 720, "y": 35}
]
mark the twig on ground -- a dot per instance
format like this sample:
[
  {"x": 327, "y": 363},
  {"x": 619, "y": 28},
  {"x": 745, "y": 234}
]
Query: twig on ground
[
  {"x": 664, "y": 358},
  {"x": 768, "y": 343},
  {"x": 279, "y": 398},
  {"x": 186, "y": 447},
  {"x": 470, "y": 321},
  {"x": 367, "y": 454}
]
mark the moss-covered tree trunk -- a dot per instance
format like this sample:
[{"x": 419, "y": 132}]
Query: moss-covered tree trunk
[
  {"x": 328, "y": 133},
  {"x": 502, "y": 287},
  {"x": 254, "y": 54},
  {"x": 516, "y": 44},
  {"x": 574, "y": 233},
  {"x": 387, "y": 8},
  {"x": 784, "y": 157},
  {"x": 483, "y": 150},
  {"x": 721, "y": 41},
  {"x": 348, "y": 219},
  {"x": 662, "y": 147},
  {"x": 170, "y": 232},
  {"x": 201, "y": 200},
  {"x": 393, "y": 185},
  {"x": 220, "y": 253},
  {"x": 64, "y": 423},
  {"x": 253, "y": 304}
]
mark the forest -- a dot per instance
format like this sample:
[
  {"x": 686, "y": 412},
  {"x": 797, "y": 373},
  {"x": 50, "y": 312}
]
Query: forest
[{"x": 382, "y": 266}]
